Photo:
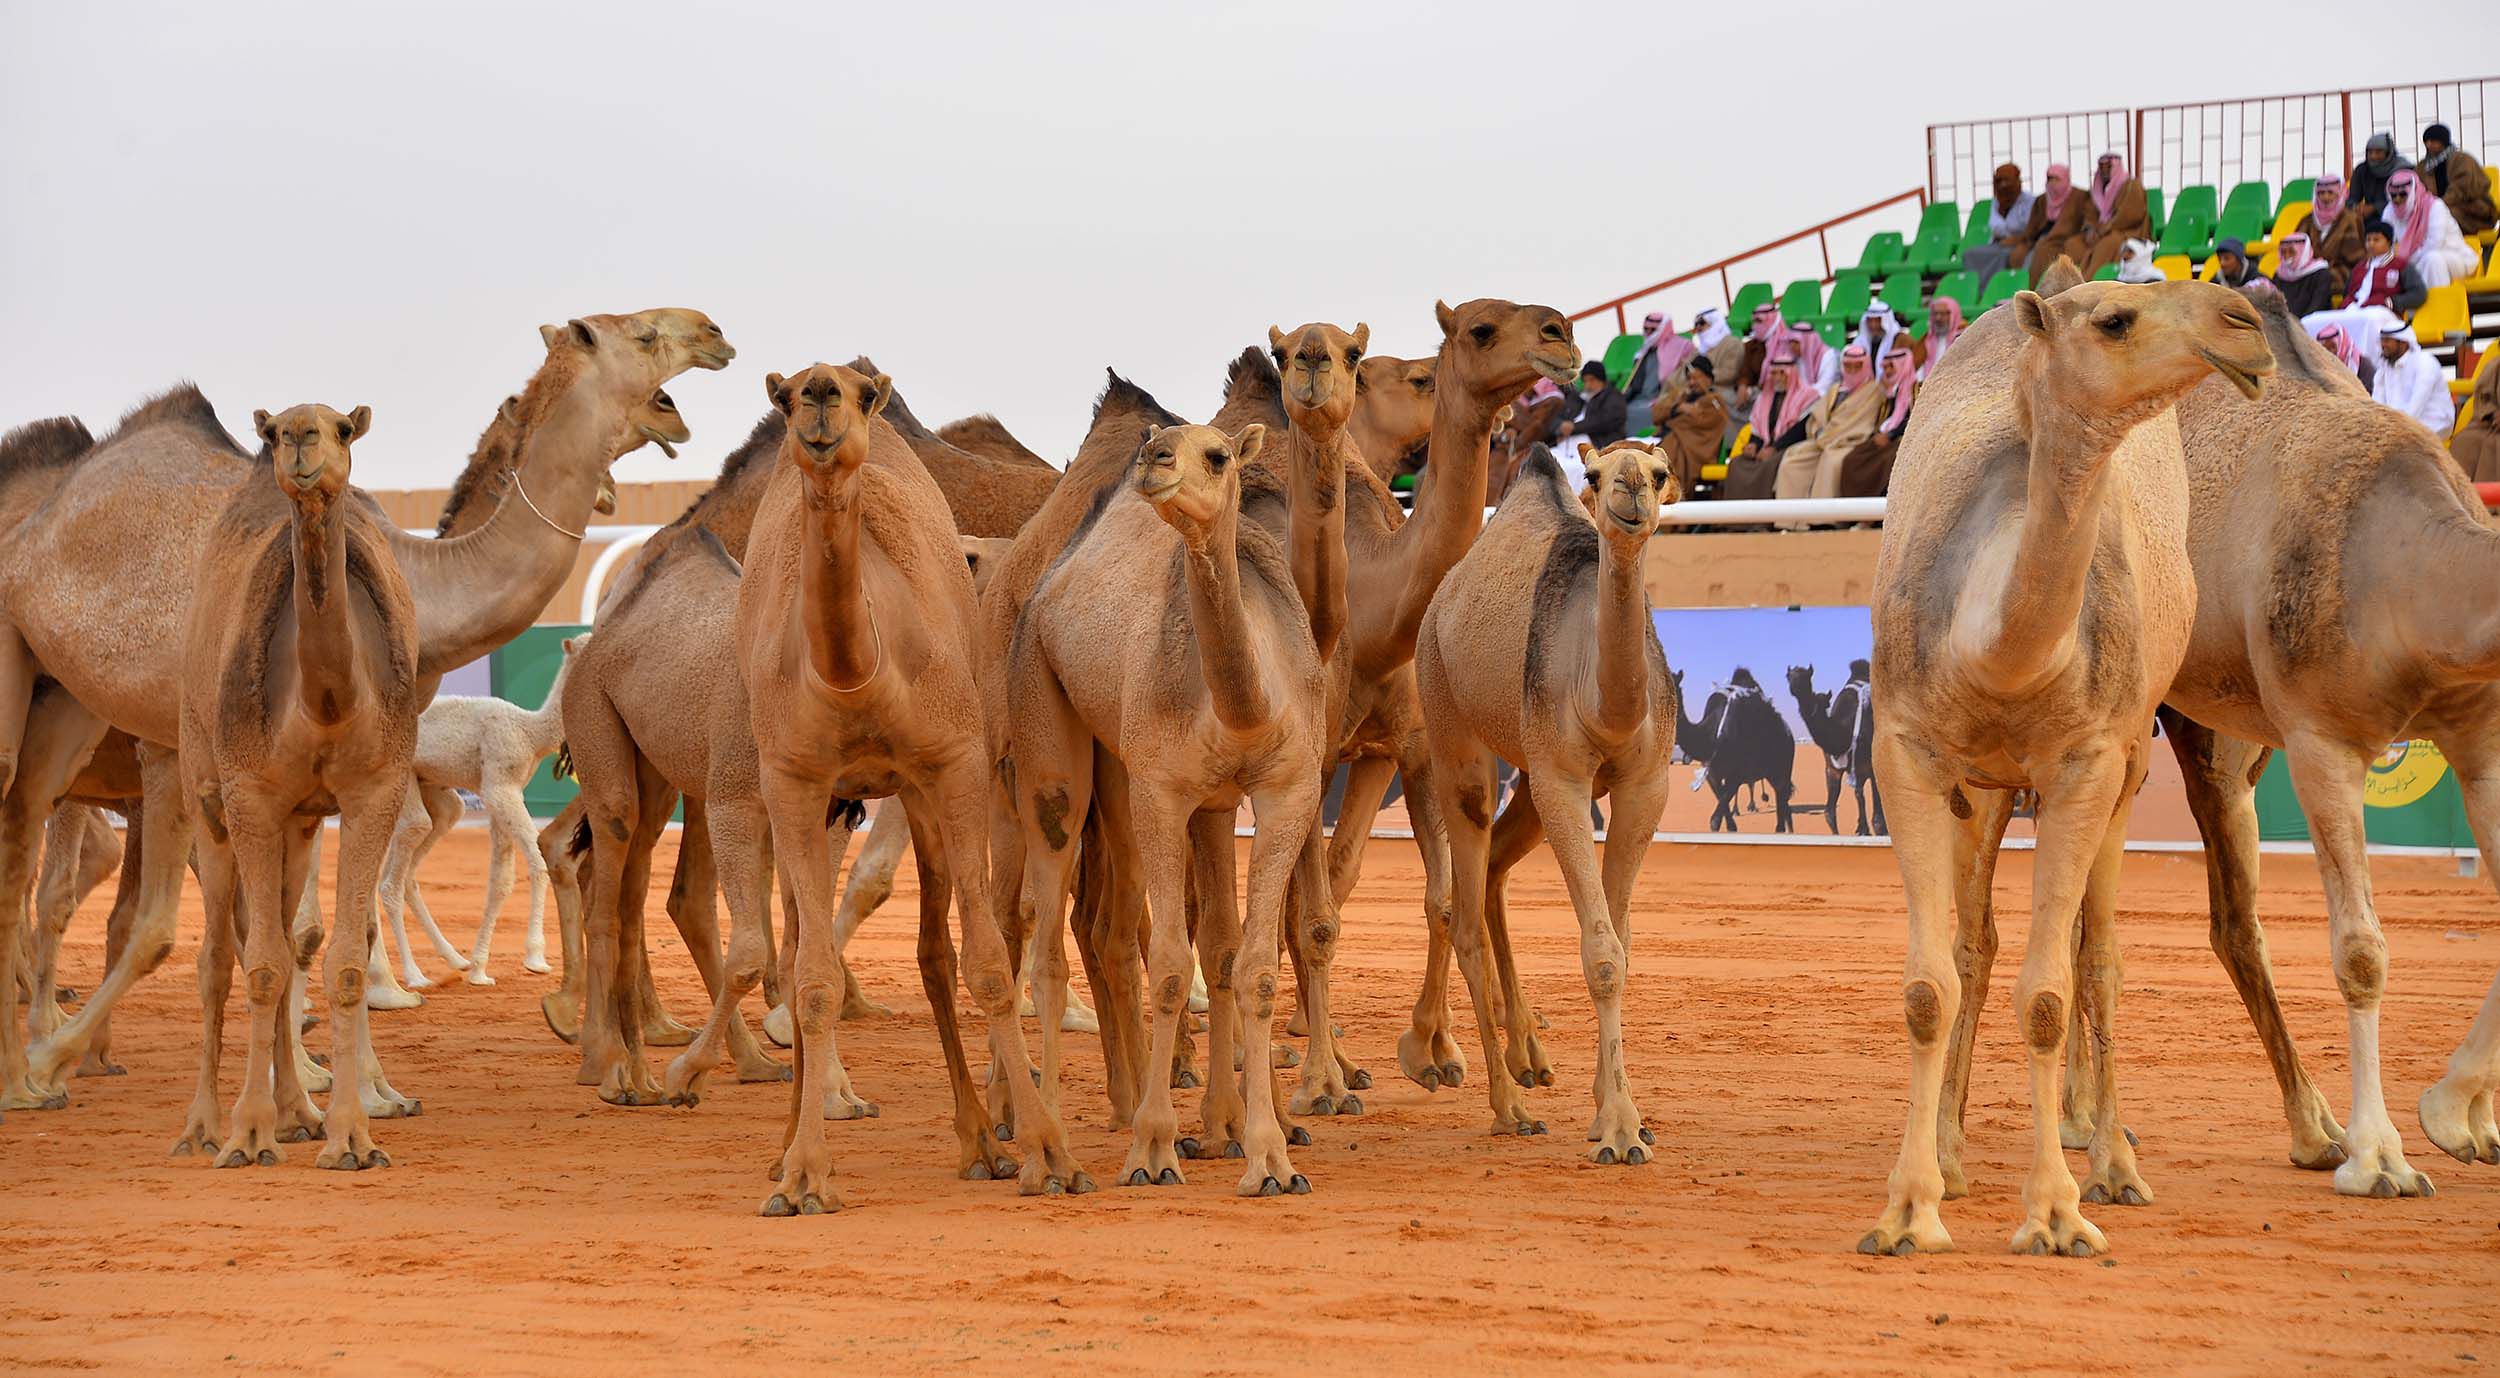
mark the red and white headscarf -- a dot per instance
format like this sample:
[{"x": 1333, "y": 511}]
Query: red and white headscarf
[
  {"x": 1670, "y": 349},
  {"x": 1811, "y": 350},
  {"x": 2111, "y": 175},
  {"x": 1941, "y": 335},
  {"x": 2334, "y": 338},
  {"x": 2326, "y": 199},
  {"x": 1855, "y": 369},
  {"x": 2412, "y": 218},
  {"x": 2297, "y": 261},
  {"x": 2059, "y": 183},
  {"x": 1794, "y": 404},
  {"x": 1766, "y": 324},
  {"x": 1901, "y": 380}
]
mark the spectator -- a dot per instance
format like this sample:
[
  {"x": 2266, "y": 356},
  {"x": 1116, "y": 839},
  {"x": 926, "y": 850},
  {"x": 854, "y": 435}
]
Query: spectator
[
  {"x": 2231, "y": 266},
  {"x": 1944, "y": 326},
  {"x": 2117, "y": 213},
  {"x": 2412, "y": 382},
  {"x": 1760, "y": 342},
  {"x": 1814, "y": 358},
  {"x": 1779, "y": 421},
  {"x": 2379, "y": 162},
  {"x": 2009, "y": 225},
  {"x": 2333, "y": 225},
  {"x": 1663, "y": 355},
  {"x": 1719, "y": 345},
  {"x": 2340, "y": 344},
  {"x": 1877, "y": 334},
  {"x": 2059, "y": 220},
  {"x": 1866, "y": 471},
  {"x": 1602, "y": 414},
  {"x": 2477, "y": 443},
  {"x": 1692, "y": 423},
  {"x": 2456, "y": 179},
  {"x": 2135, "y": 263},
  {"x": 2383, "y": 291},
  {"x": 2427, "y": 237},
  {"x": 2302, "y": 277},
  {"x": 1840, "y": 419}
]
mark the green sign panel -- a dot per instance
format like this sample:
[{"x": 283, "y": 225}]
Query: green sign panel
[{"x": 2410, "y": 799}]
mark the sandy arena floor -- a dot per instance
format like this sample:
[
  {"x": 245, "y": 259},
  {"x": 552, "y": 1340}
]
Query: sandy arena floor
[{"x": 527, "y": 1228}]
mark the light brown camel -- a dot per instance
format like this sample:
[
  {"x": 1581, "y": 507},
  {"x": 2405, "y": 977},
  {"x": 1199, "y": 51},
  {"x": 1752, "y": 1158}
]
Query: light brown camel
[
  {"x": 1540, "y": 650},
  {"x": 92, "y": 586},
  {"x": 2314, "y": 513},
  {"x": 1392, "y": 422},
  {"x": 299, "y": 698},
  {"x": 986, "y": 496},
  {"x": 985, "y": 435},
  {"x": 2032, "y": 600},
  {"x": 1203, "y": 683},
  {"x": 855, "y": 631}
]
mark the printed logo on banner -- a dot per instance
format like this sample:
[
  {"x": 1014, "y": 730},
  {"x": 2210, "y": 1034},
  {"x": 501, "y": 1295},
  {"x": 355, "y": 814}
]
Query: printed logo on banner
[{"x": 2402, "y": 774}]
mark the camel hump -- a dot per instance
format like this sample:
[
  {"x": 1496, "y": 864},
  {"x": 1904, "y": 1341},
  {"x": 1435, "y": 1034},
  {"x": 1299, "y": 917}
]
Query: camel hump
[
  {"x": 896, "y": 414},
  {"x": 182, "y": 405},
  {"x": 1122, "y": 399},
  {"x": 55, "y": 440},
  {"x": 1252, "y": 379}
]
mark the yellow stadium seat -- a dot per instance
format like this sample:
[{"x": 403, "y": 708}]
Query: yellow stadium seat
[
  {"x": 2213, "y": 267},
  {"x": 2173, "y": 266},
  {"x": 2442, "y": 314},
  {"x": 1714, "y": 473},
  {"x": 2488, "y": 280},
  {"x": 2286, "y": 221}
]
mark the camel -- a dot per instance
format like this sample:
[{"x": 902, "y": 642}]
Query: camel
[
  {"x": 985, "y": 435},
  {"x": 1203, "y": 683},
  {"x": 855, "y": 638},
  {"x": 986, "y": 495},
  {"x": 1539, "y": 649},
  {"x": 299, "y": 698},
  {"x": 2308, "y": 505},
  {"x": 1741, "y": 739},
  {"x": 2033, "y": 599},
  {"x": 130, "y": 514},
  {"x": 1842, "y": 724},
  {"x": 1392, "y": 421}
]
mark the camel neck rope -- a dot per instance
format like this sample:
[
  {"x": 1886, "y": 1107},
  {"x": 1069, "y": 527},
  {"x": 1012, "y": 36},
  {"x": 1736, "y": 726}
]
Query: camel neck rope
[
  {"x": 873, "y": 635},
  {"x": 532, "y": 504}
]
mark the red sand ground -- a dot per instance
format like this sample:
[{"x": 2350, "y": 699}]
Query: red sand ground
[{"x": 528, "y": 1228}]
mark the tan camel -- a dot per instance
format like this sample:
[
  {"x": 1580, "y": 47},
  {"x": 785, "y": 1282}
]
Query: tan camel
[
  {"x": 2033, "y": 599},
  {"x": 987, "y": 496},
  {"x": 91, "y": 588},
  {"x": 299, "y": 697},
  {"x": 1540, "y": 650},
  {"x": 855, "y": 635},
  {"x": 985, "y": 435},
  {"x": 1392, "y": 422},
  {"x": 2309, "y": 505}
]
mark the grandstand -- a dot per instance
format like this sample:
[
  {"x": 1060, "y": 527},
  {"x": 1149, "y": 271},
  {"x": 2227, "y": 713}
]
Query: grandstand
[{"x": 2233, "y": 169}]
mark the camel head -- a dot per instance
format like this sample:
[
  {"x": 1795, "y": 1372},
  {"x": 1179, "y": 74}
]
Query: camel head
[
  {"x": 2121, "y": 352},
  {"x": 1192, "y": 474},
  {"x": 1321, "y": 366},
  {"x": 623, "y": 359},
  {"x": 308, "y": 447},
  {"x": 1631, "y": 481},
  {"x": 657, "y": 422},
  {"x": 687, "y": 339},
  {"x": 1393, "y": 407},
  {"x": 1494, "y": 350},
  {"x": 982, "y": 554},
  {"x": 1801, "y": 680},
  {"x": 827, "y": 408}
]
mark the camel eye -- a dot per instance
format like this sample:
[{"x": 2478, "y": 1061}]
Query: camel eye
[
  {"x": 1423, "y": 383},
  {"x": 1658, "y": 480},
  {"x": 1593, "y": 478},
  {"x": 1482, "y": 334},
  {"x": 1216, "y": 459},
  {"x": 2115, "y": 324},
  {"x": 1353, "y": 357},
  {"x": 346, "y": 432},
  {"x": 651, "y": 338}
]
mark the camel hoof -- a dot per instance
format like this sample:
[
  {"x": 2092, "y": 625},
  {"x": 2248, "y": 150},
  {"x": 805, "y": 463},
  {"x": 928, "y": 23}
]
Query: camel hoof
[
  {"x": 689, "y": 1099},
  {"x": 777, "y": 1206},
  {"x": 298, "y": 1134},
  {"x": 1606, "y": 1154},
  {"x": 536, "y": 966},
  {"x": 1322, "y": 1105},
  {"x": 1054, "y": 1187},
  {"x": 1635, "y": 1156},
  {"x": 1647, "y": 1137},
  {"x": 1286, "y": 1056},
  {"x": 1080, "y": 1184},
  {"x": 2132, "y": 1141},
  {"x": 105, "y": 1069},
  {"x": 1298, "y": 1137},
  {"x": 1529, "y": 1128},
  {"x": 811, "y": 1204},
  {"x": 1137, "y": 1178},
  {"x": 1184, "y": 1080},
  {"x": 1430, "y": 1080},
  {"x": 1299, "y": 1186},
  {"x": 1232, "y": 1148},
  {"x": 1453, "y": 1074},
  {"x": 1169, "y": 1177},
  {"x": 1351, "y": 1105},
  {"x": 1358, "y": 1080},
  {"x": 1271, "y": 1187},
  {"x": 1005, "y": 1133},
  {"x": 1526, "y": 1077},
  {"x": 1189, "y": 1148}
]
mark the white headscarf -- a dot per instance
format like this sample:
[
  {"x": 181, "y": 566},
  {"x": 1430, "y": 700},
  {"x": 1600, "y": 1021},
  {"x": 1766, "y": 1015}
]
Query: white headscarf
[
  {"x": 1710, "y": 329},
  {"x": 2413, "y": 384},
  {"x": 2135, "y": 262}
]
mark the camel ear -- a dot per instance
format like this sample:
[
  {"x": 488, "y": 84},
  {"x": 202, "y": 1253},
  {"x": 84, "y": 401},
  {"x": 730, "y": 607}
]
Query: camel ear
[
  {"x": 359, "y": 421},
  {"x": 1362, "y": 339},
  {"x": 1275, "y": 340},
  {"x": 777, "y": 392},
  {"x": 1449, "y": 319},
  {"x": 261, "y": 426},
  {"x": 1248, "y": 441},
  {"x": 1152, "y": 430},
  {"x": 1502, "y": 418},
  {"x": 2032, "y": 313},
  {"x": 2060, "y": 276},
  {"x": 581, "y": 333},
  {"x": 510, "y": 411},
  {"x": 880, "y": 392},
  {"x": 567, "y": 643}
]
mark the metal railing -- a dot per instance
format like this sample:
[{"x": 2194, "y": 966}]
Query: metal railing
[
  {"x": 1820, "y": 234},
  {"x": 1963, "y": 157}
]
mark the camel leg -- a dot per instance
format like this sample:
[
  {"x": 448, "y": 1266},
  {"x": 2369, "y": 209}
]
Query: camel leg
[
  {"x": 1160, "y": 831},
  {"x": 1367, "y": 783},
  {"x": 1926, "y": 844},
  {"x": 18, "y": 672},
  {"x": 1632, "y": 822},
  {"x": 2220, "y": 774},
  {"x": 1115, "y": 909},
  {"x": 508, "y": 816},
  {"x": 1464, "y": 770},
  {"x": 1311, "y": 905},
  {"x": 1516, "y": 831},
  {"x": 736, "y": 829},
  {"x": 1978, "y": 841},
  {"x": 294, "y": 1068},
  {"x": 562, "y": 1007},
  {"x": 256, "y": 838},
  {"x": 804, "y": 1181},
  {"x": 79, "y": 851},
  {"x": 630, "y": 1082},
  {"x": 2114, "y": 1178},
  {"x": 1285, "y": 813},
  {"x": 216, "y": 969},
  {"x": 366, "y": 822},
  {"x": 2456, "y": 1111},
  {"x": 165, "y": 823},
  {"x": 1427, "y": 1054},
  {"x": 626, "y": 805},
  {"x": 1832, "y": 776},
  {"x": 870, "y": 884},
  {"x": 1224, "y": 1112},
  {"x": 383, "y": 989},
  {"x": 691, "y": 909},
  {"x": 2327, "y": 776},
  {"x": 59, "y": 739},
  {"x": 97, "y": 1061}
]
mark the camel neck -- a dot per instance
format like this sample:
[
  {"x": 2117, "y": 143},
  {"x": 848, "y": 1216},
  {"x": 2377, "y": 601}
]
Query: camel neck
[
  {"x": 545, "y": 725},
  {"x": 1449, "y": 511},
  {"x": 1623, "y": 632},
  {"x": 843, "y": 647},
  {"x": 1315, "y": 464},
  {"x": 2038, "y": 595},
  {"x": 475, "y": 592},
  {"x": 1226, "y": 658},
  {"x": 325, "y": 633}
]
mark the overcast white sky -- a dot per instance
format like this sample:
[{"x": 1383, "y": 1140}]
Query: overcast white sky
[{"x": 357, "y": 204}]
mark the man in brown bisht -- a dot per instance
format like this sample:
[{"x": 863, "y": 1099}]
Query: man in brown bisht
[
  {"x": 1692, "y": 423},
  {"x": 2477, "y": 443},
  {"x": 2456, "y": 179},
  {"x": 2059, "y": 221},
  {"x": 1840, "y": 419},
  {"x": 2118, "y": 213}
]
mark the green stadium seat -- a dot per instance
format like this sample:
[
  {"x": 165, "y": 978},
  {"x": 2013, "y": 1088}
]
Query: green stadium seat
[
  {"x": 2152, "y": 208},
  {"x": 1882, "y": 251},
  {"x": 2188, "y": 233},
  {"x": 1740, "y": 310},
  {"x": 1963, "y": 287},
  {"x": 1937, "y": 251},
  {"x": 1802, "y": 303},
  {"x": 1852, "y": 289},
  {"x": 2003, "y": 284},
  {"x": 1975, "y": 233},
  {"x": 1905, "y": 293},
  {"x": 2108, "y": 272},
  {"x": 2197, "y": 201},
  {"x": 2246, "y": 224},
  {"x": 2254, "y": 197},
  {"x": 1834, "y": 333},
  {"x": 1619, "y": 357},
  {"x": 1940, "y": 215},
  {"x": 2297, "y": 189}
]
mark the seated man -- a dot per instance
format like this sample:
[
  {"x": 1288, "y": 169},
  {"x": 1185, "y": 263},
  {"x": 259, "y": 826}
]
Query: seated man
[
  {"x": 1780, "y": 408},
  {"x": 2457, "y": 180},
  {"x": 2135, "y": 263},
  {"x": 2231, "y": 265},
  {"x": 1602, "y": 412},
  {"x": 2117, "y": 214},
  {"x": 1841, "y": 418},
  {"x": 1692, "y": 423},
  {"x": 2427, "y": 238},
  {"x": 2304, "y": 279},
  {"x": 2009, "y": 225},
  {"x": 2383, "y": 292},
  {"x": 2380, "y": 162},
  {"x": 2412, "y": 382}
]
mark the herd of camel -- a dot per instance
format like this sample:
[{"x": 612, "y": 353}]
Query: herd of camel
[{"x": 2115, "y": 502}]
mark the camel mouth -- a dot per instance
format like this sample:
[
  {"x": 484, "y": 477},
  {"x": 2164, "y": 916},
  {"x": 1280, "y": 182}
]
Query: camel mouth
[
  {"x": 2242, "y": 376},
  {"x": 1634, "y": 522},
  {"x": 714, "y": 358},
  {"x": 1557, "y": 371},
  {"x": 821, "y": 449},
  {"x": 660, "y": 440},
  {"x": 1158, "y": 492}
]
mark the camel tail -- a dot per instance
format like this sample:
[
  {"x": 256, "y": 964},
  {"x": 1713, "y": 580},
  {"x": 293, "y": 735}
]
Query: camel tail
[
  {"x": 849, "y": 813},
  {"x": 578, "y": 844},
  {"x": 563, "y": 768}
]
